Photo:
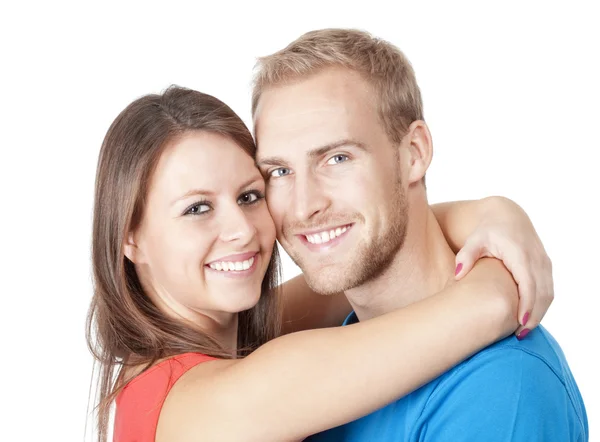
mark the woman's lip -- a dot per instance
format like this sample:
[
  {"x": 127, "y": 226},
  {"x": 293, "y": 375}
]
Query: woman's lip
[
  {"x": 237, "y": 273},
  {"x": 234, "y": 258}
]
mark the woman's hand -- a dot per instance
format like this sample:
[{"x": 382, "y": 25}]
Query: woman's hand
[{"x": 505, "y": 232}]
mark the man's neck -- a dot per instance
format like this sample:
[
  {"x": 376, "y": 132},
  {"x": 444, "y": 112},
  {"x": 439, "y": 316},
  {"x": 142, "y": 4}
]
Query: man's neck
[{"x": 422, "y": 267}]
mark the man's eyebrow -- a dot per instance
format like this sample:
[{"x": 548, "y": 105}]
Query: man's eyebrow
[
  {"x": 320, "y": 151},
  {"x": 314, "y": 153},
  {"x": 271, "y": 161}
]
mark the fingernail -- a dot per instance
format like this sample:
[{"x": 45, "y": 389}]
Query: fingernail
[
  {"x": 523, "y": 333},
  {"x": 525, "y": 318},
  {"x": 458, "y": 269}
]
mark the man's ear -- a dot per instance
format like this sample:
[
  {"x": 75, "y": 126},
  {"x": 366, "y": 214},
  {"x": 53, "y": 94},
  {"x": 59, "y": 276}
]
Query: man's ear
[
  {"x": 131, "y": 249},
  {"x": 419, "y": 151}
]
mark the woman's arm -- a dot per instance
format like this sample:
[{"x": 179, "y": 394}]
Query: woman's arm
[
  {"x": 304, "y": 309},
  {"x": 496, "y": 227},
  {"x": 460, "y": 219},
  {"x": 298, "y": 384}
]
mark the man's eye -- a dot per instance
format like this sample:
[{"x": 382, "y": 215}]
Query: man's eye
[
  {"x": 337, "y": 159},
  {"x": 282, "y": 171},
  {"x": 197, "y": 209}
]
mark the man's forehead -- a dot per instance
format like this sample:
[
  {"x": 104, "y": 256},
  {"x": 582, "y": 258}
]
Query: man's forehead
[
  {"x": 302, "y": 132},
  {"x": 294, "y": 117}
]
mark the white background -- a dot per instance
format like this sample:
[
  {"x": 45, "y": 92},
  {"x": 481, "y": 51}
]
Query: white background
[{"x": 511, "y": 95}]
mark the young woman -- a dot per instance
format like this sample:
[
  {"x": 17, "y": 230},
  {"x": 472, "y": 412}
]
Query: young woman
[{"x": 185, "y": 316}]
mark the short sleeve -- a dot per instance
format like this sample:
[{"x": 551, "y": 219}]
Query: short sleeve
[{"x": 501, "y": 395}]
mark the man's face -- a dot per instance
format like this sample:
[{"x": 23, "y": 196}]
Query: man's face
[{"x": 334, "y": 184}]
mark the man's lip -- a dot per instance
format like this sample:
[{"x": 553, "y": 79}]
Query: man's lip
[
  {"x": 234, "y": 258},
  {"x": 329, "y": 244},
  {"x": 325, "y": 229}
]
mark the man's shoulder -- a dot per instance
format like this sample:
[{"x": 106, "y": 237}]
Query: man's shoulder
[
  {"x": 539, "y": 345},
  {"x": 538, "y": 351},
  {"x": 509, "y": 370},
  {"x": 524, "y": 382}
]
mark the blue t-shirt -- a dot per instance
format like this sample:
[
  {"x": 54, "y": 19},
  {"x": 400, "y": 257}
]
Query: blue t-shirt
[{"x": 510, "y": 391}]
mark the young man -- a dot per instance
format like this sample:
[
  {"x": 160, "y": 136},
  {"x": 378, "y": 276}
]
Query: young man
[{"x": 344, "y": 147}]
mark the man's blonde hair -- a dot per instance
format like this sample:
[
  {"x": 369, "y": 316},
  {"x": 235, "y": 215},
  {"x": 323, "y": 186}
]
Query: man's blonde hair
[{"x": 379, "y": 62}]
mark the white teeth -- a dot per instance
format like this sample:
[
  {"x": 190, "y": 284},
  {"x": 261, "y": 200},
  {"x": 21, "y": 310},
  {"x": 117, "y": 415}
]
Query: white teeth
[
  {"x": 225, "y": 266},
  {"x": 326, "y": 236}
]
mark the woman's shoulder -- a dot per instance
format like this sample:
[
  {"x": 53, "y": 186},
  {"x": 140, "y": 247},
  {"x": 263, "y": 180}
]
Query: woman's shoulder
[
  {"x": 140, "y": 401},
  {"x": 165, "y": 370}
]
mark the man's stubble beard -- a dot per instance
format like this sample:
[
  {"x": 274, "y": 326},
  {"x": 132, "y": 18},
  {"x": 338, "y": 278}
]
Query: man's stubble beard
[{"x": 369, "y": 260}]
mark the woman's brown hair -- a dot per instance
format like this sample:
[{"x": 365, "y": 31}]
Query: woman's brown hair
[{"x": 124, "y": 327}]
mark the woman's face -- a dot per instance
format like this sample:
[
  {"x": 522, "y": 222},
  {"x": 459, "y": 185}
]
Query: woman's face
[{"x": 206, "y": 235}]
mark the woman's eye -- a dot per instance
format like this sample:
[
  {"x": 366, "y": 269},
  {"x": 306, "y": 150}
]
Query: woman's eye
[
  {"x": 250, "y": 197},
  {"x": 337, "y": 159},
  {"x": 197, "y": 209},
  {"x": 282, "y": 171}
]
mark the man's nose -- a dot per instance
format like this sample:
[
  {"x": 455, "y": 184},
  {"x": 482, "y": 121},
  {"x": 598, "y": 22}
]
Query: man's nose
[{"x": 309, "y": 198}]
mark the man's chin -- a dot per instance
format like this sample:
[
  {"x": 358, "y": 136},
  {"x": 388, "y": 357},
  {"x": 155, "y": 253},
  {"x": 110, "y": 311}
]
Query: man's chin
[
  {"x": 325, "y": 283},
  {"x": 324, "y": 276}
]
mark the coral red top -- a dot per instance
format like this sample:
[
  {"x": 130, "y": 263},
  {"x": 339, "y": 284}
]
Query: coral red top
[{"x": 140, "y": 401}]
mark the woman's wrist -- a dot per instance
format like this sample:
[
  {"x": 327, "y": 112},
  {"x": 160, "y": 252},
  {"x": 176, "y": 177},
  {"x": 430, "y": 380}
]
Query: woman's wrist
[{"x": 496, "y": 294}]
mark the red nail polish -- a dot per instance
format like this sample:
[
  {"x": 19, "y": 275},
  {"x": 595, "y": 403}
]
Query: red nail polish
[
  {"x": 523, "y": 333},
  {"x": 458, "y": 268},
  {"x": 525, "y": 318}
]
